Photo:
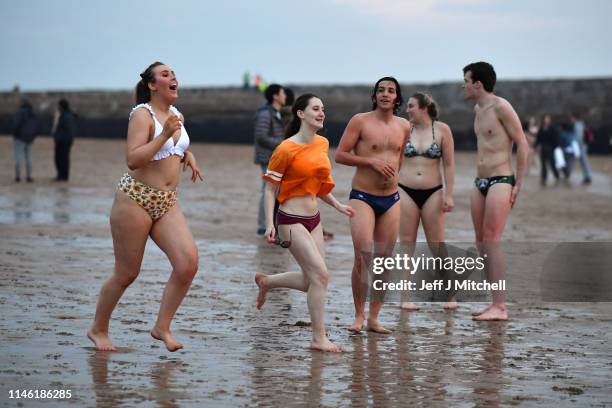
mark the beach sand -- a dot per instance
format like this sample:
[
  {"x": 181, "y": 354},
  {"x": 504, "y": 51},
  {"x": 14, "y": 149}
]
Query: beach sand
[{"x": 56, "y": 250}]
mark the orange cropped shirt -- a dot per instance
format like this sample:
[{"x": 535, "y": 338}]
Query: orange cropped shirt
[{"x": 301, "y": 169}]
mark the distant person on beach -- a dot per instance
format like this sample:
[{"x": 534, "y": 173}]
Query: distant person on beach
[
  {"x": 424, "y": 197},
  {"x": 25, "y": 130},
  {"x": 580, "y": 132},
  {"x": 568, "y": 144},
  {"x": 547, "y": 141},
  {"x": 64, "y": 132},
  {"x": 146, "y": 204},
  {"x": 246, "y": 80},
  {"x": 496, "y": 187},
  {"x": 373, "y": 142},
  {"x": 531, "y": 129},
  {"x": 268, "y": 133},
  {"x": 300, "y": 171}
]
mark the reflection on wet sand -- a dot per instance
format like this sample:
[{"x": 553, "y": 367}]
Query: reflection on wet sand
[
  {"x": 61, "y": 205},
  {"x": 112, "y": 389},
  {"x": 487, "y": 388},
  {"x": 236, "y": 355}
]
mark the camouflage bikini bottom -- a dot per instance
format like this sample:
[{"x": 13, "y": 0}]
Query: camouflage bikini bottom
[{"x": 155, "y": 202}]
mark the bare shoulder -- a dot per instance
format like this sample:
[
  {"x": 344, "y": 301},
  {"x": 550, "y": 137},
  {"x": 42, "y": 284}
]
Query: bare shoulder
[
  {"x": 141, "y": 116},
  {"x": 403, "y": 122},
  {"x": 361, "y": 118},
  {"x": 442, "y": 126},
  {"x": 502, "y": 106}
]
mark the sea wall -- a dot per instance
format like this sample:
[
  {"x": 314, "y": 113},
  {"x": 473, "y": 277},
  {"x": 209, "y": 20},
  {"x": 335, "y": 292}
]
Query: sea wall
[{"x": 225, "y": 115}]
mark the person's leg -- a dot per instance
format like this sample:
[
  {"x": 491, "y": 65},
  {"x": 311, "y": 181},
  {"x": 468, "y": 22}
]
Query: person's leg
[
  {"x": 67, "y": 159},
  {"x": 18, "y": 152},
  {"x": 410, "y": 216},
  {"x": 172, "y": 235},
  {"x": 497, "y": 209},
  {"x": 57, "y": 159},
  {"x": 386, "y": 231},
  {"x": 261, "y": 215},
  {"x": 130, "y": 226},
  {"x": 306, "y": 248},
  {"x": 477, "y": 209},
  {"x": 543, "y": 163},
  {"x": 362, "y": 233},
  {"x": 318, "y": 279},
  {"x": 63, "y": 160},
  {"x": 553, "y": 165},
  {"x": 28, "y": 158},
  {"x": 584, "y": 161},
  {"x": 433, "y": 224}
]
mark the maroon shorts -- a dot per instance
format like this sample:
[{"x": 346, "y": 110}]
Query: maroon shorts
[{"x": 282, "y": 218}]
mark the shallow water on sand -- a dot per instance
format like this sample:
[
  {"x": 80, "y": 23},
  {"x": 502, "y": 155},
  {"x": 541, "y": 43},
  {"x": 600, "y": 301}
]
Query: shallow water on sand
[{"x": 55, "y": 252}]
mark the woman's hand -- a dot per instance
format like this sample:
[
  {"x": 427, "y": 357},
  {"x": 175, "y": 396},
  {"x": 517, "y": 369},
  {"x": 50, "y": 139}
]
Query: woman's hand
[
  {"x": 270, "y": 234},
  {"x": 173, "y": 123},
  {"x": 190, "y": 161},
  {"x": 345, "y": 209},
  {"x": 448, "y": 204}
]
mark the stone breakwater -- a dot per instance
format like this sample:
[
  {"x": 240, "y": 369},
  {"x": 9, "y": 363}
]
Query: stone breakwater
[{"x": 226, "y": 114}]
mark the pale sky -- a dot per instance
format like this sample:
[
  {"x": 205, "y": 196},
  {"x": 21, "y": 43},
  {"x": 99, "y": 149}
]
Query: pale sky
[{"x": 82, "y": 44}]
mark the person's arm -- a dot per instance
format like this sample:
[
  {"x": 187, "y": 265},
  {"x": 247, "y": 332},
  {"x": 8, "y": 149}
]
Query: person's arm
[
  {"x": 512, "y": 124},
  {"x": 345, "y": 152},
  {"x": 270, "y": 192},
  {"x": 189, "y": 160},
  {"x": 448, "y": 162},
  {"x": 263, "y": 123},
  {"x": 332, "y": 201},
  {"x": 139, "y": 151}
]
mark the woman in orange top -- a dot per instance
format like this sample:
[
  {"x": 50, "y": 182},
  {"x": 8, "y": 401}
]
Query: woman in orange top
[{"x": 301, "y": 170}]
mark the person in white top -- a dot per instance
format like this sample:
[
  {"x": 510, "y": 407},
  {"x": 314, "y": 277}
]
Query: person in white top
[{"x": 146, "y": 205}]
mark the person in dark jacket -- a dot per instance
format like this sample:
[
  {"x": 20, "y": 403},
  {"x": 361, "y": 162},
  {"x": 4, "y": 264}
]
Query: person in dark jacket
[
  {"x": 63, "y": 134},
  {"x": 268, "y": 134},
  {"x": 25, "y": 130},
  {"x": 547, "y": 139}
]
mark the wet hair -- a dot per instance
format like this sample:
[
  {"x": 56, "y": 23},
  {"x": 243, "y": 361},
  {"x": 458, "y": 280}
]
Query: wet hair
[
  {"x": 64, "y": 105},
  {"x": 271, "y": 90},
  {"x": 398, "y": 91},
  {"x": 301, "y": 103},
  {"x": 483, "y": 72},
  {"x": 143, "y": 93},
  {"x": 425, "y": 100}
]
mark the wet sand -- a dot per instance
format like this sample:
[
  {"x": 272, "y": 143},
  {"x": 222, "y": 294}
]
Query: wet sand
[{"x": 55, "y": 251}]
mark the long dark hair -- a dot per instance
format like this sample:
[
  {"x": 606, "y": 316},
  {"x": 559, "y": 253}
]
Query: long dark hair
[
  {"x": 300, "y": 104},
  {"x": 426, "y": 101},
  {"x": 143, "y": 93},
  {"x": 398, "y": 99}
]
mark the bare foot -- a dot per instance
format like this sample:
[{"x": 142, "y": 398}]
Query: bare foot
[
  {"x": 409, "y": 306},
  {"x": 325, "y": 345},
  {"x": 263, "y": 289},
  {"x": 376, "y": 327},
  {"x": 357, "y": 325},
  {"x": 166, "y": 337},
  {"x": 493, "y": 313},
  {"x": 478, "y": 313},
  {"x": 451, "y": 305},
  {"x": 101, "y": 340}
]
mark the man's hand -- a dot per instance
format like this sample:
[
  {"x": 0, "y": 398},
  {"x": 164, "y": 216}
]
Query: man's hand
[{"x": 383, "y": 167}]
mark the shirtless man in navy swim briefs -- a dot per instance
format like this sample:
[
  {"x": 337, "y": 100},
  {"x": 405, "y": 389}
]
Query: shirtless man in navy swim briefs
[{"x": 373, "y": 142}]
